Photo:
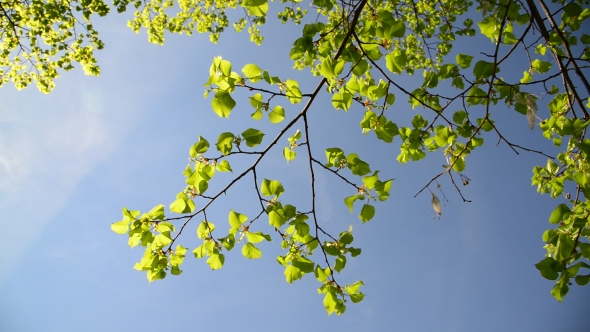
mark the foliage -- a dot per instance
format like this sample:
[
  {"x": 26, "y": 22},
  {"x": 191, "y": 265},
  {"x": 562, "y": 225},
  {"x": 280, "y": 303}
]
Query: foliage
[
  {"x": 39, "y": 37},
  {"x": 357, "y": 49}
]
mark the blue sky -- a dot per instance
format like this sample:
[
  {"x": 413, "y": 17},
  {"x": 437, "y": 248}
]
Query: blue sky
[{"x": 69, "y": 162}]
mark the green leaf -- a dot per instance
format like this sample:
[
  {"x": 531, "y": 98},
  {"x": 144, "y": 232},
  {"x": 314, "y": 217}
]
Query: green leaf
[
  {"x": 256, "y": 7},
  {"x": 252, "y": 137},
  {"x": 303, "y": 264},
  {"x": 574, "y": 269},
  {"x": 256, "y": 101},
  {"x": 565, "y": 246},
  {"x": 324, "y": 4},
  {"x": 372, "y": 51},
  {"x": 289, "y": 154},
  {"x": 327, "y": 68},
  {"x": 356, "y": 298},
  {"x": 334, "y": 155},
  {"x": 215, "y": 261},
  {"x": 342, "y": 101},
  {"x": 547, "y": 268},
  {"x": 354, "y": 251},
  {"x": 292, "y": 273},
  {"x": 257, "y": 237},
  {"x": 302, "y": 228},
  {"x": 134, "y": 239},
  {"x": 396, "y": 61},
  {"x": 182, "y": 204},
  {"x": 155, "y": 275},
  {"x": 560, "y": 290},
  {"x": 350, "y": 200},
  {"x": 526, "y": 77},
  {"x": 354, "y": 287},
  {"x": 157, "y": 213},
  {"x": 199, "y": 148},
  {"x": 223, "y": 166},
  {"x": 252, "y": 72},
  {"x": 340, "y": 263},
  {"x": 541, "y": 66},
  {"x": 225, "y": 142},
  {"x": 397, "y": 29},
  {"x": 250, "y": 251},
  {"x": 582, "y": 280},
  {"x": 236, "y": 220},
  {"x": 272, "y": 188},
  {"x": 228, "y": 241},
  {"x": 222, "y": 104},
  {"x": 484, "y": 69},
  {"x": 320, "y": 274},
  {"x": 275, "y": 219},
  {"x": 333, "y": 305},
  {"x": 162, "y": 240},
  {"x": 292, "y": 91},
  {"x": 346, "y": 237},
  {"x": 205, "y": 229},
  {"x": 120, "y": 227},
  {"x": 367, "y": 213},
  {"x": 460, "y": 116},
  {"x": 175, "y": 270},
  {"x": 356, "y": 165},
  {"x": 361, "y": 67},
  {"x": 560, "y": 213},
  {"x": 488, "y": 28},
  {"x": 277, "y": 114},
  {"x": 463, "y": 60}
]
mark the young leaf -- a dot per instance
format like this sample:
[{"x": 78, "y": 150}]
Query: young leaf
[
  {"x": 223, "y": 166},
  {"x": 252, "y": 137},
  {"x": 340, "y": 263},
  {"x": 356, "y": 298},
  {"x": 367, "y": 213},
  {"x": 277, "y": 114},
  {"x": 463, "y": 60},
  {"x": 292, "y": 273},
  {"x": 560, "y": 213},
  {"x": 320, "y": 275},
  {"x": 205, "y": 229},
  {"x": 257, "y": 237},
  {"x": 199, "y": 148},
  {"x": 215, "y": 261},
  {"x": 222, "y": 104},
  {"x": 225, "y": 142},
  {"x": 120, "y": 227},
  {"x": 272, "y": 188},
  {"x": 350, "y": 200},
  {"x": 252, "y": 72},
  {"x": 289, "y": 154},
  {"x": 250, "y": 251},
  {"x": 236, "y": 220}
]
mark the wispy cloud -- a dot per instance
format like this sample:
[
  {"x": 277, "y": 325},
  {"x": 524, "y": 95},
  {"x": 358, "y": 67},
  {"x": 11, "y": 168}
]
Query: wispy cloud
[{"x": 46, "y": 149}]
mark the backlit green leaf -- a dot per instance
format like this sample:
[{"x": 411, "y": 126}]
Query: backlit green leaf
[
  {"x": 250, "y": 251},
  {"x": 222, "y": 104},
  {"x": 367, "y": 213},
  {"x": 215, "y": 261},
  {"x": 277, "y": 114},
  {"x": 252, "y": 137},
  {"x": 205, "y": 229},
  {"x": 292, "y": 273}
]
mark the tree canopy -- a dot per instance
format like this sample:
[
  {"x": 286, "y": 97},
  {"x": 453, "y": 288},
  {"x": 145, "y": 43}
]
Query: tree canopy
[{"x": 360, "y": 52}]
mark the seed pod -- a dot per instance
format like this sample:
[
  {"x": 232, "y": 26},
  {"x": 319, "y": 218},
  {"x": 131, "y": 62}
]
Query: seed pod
[{"x": 436, "y": 205}]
